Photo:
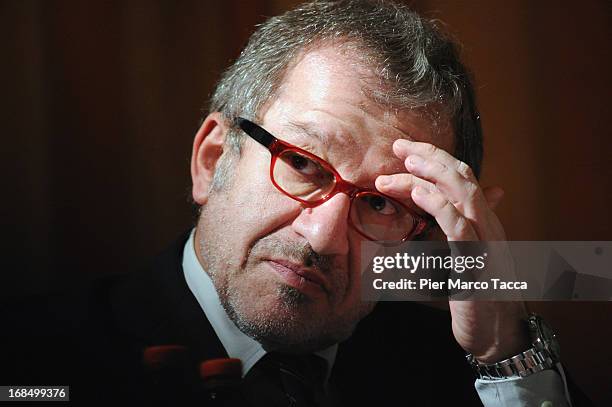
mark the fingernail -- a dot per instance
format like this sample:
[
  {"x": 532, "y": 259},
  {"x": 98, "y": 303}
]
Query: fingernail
[
  {"x": 420, "y": 191},
  {"x": 400, "y": 145},
  {"x": 384, "y": 180},
  {"x": 399, "y": 142},
  {"x": 415, "y": 160}
]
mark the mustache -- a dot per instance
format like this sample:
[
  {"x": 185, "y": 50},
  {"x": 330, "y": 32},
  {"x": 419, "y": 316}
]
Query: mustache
[{"x": 297, "y": 252}]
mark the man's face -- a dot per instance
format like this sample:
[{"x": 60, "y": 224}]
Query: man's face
[{"x": 290, "y": 276}]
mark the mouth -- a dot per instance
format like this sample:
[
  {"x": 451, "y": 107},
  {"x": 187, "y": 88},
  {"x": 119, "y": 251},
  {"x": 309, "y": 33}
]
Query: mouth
[{"x": 309, "y": 281}]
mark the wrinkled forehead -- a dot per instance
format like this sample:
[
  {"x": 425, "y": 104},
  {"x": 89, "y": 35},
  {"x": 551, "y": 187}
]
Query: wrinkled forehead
[{"x": 323, "y": 105}]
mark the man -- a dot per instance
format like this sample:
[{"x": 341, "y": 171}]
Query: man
[
  {"x": 361, "y": 91},
  {"x": 379, "y": 94}
]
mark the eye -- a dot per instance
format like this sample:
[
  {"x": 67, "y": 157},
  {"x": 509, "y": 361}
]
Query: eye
[
  {"x": 303, "y": 164},
  {"x": 381, "y": 205}
]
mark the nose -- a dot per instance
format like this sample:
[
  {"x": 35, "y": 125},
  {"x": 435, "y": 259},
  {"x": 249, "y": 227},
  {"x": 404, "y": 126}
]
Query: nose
[{"x": 325, "y": 226}]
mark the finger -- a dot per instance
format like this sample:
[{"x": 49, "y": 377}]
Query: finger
[
  {"x": 453, "y": 224},
  {"x": 400, "y": 185},
  {"x": 464, "y": 193},
  {"x": 403, "y": 148},
  {"x": 493, "y": 196}
]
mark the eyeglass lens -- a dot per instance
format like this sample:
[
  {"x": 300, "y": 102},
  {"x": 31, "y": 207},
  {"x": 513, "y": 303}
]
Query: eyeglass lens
[{"x": 373, "y": 214}]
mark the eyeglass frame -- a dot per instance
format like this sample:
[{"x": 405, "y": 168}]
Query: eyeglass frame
[{"x": 277, "y": 147}]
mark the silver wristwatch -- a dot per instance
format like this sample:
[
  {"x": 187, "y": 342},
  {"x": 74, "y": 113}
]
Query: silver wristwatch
[{"x": 544, "y": 354}]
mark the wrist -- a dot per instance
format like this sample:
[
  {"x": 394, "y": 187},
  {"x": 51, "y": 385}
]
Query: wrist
[
  {"x": 542, "y": 354},
  {"x": 511, "y": 343}
]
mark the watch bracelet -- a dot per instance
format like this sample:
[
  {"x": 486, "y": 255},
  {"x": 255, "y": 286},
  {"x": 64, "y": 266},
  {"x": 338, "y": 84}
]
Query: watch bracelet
[{"x": 526, "y": 363}]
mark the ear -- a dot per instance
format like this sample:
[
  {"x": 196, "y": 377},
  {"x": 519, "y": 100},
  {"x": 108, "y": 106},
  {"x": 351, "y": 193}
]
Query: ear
[{"x": 207, "y": 148}]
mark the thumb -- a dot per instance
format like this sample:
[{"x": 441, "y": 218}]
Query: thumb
[{"x": 493, "y": 195}]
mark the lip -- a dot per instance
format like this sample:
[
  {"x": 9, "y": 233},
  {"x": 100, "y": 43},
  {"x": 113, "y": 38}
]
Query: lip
[{"x": 302, "y": 278}]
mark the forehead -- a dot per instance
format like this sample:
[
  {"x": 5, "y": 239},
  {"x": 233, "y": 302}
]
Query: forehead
[{"x": 323, "y": 102}]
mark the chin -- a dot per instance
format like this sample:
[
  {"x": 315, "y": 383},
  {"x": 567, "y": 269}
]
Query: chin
[
  {"x": 283, "y": 318},
  {"x": 294, "y": 325}
]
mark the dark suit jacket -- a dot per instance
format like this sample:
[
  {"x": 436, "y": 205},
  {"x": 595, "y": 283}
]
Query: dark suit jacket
[{"x": 93, "y": 339}]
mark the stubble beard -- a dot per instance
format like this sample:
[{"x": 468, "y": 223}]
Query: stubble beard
[{"x": 284, "y": 319}]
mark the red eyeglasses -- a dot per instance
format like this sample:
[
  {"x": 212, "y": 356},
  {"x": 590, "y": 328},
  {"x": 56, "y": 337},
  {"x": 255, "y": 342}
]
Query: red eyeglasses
[{"x": 311, "y": 181}]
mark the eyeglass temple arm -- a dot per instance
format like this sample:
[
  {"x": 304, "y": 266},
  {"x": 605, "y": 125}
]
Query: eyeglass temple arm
[{"x": 257, "y": 133}]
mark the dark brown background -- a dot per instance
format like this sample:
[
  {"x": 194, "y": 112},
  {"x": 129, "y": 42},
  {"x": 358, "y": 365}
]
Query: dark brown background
[{"x": 100, "y": 101}]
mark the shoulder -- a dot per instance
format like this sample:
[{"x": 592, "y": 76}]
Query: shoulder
[{"x": 94, "y": 335}]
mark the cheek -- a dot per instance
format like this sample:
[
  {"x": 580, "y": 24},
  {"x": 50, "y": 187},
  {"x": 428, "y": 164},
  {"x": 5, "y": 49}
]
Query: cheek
[
  {"x": 355, "y": 261},
  {"x": 255, "y": 199},
  {"x": 252, "y": 208},
  {"x": 352, "y": 281},
  {"x": 260, "y": 210}
]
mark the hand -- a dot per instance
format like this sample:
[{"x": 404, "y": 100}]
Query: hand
[{"x": 447, "y": 189}]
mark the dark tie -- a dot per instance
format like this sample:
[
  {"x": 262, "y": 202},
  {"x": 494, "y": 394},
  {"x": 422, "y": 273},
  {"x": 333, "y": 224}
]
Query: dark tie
[{"x": 282, "y": 380}]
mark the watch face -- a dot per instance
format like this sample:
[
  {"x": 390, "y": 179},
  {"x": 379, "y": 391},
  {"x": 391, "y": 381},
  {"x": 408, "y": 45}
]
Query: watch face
[{"x": 549, "y": 338}]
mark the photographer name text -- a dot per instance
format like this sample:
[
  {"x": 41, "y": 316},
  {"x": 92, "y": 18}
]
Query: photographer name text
[{"x": 450, "y": 284}]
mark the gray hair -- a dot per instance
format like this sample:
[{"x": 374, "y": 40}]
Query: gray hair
[{"x": 418, "y": 65}]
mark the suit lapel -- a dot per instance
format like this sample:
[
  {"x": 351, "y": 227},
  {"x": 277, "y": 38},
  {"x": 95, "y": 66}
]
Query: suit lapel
[{"x": 156, "y": 307}]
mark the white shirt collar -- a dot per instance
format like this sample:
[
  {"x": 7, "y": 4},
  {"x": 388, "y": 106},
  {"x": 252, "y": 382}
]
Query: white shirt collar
[{"x": 236, "y": 343}]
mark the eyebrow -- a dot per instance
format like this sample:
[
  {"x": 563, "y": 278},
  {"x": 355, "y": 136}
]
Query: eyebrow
[{"x": 309, "y": 130}]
